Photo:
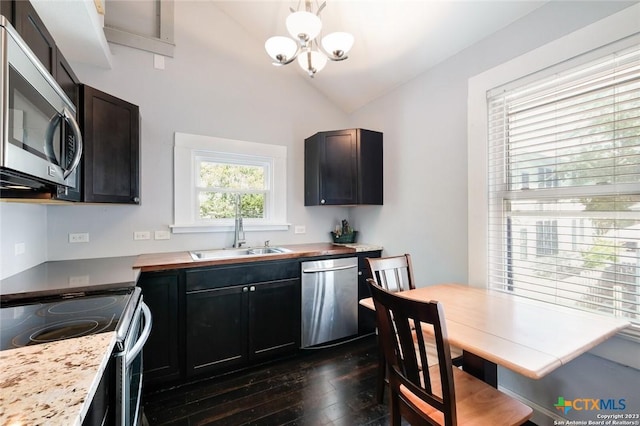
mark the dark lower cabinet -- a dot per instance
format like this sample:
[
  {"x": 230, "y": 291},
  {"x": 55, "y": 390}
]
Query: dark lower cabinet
[
  {"x": 366, "y": 317},
  {"x": 274, "y": 318},
  {"x": 238, "y": 315},
  {"x": 161, "y": 360},
  {"x": 231, "y": 327},
  {"x": 216, "y": 329}
]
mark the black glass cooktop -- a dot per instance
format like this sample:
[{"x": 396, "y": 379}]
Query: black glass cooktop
[{"x": 30, "y": 323}]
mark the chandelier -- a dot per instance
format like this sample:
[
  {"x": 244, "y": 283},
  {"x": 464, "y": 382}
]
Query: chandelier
[{"x": 304, "y": 27}]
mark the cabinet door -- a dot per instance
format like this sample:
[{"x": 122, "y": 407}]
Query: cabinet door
[
  {"x": 67, "y": 79},
  {"x": 274, "y": 318},
  {"x": 6, "y": 10},
  {"x": 161, "y": 352},
  {"x": 339, "y": 168},
  {"x": 112, "y": 144},
  {"x": 216, "y": 329},
  {"x": 343, "y": 167},
  {"x": 35, "y": 34},
  {"x": 366, "y": 317}
]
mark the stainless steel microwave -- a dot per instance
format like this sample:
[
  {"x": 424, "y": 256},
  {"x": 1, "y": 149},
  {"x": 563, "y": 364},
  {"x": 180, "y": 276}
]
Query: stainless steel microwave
[{"x": 41, "y": 140}]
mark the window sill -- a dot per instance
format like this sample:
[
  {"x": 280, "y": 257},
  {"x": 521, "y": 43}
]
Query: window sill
[{"x": 196, "y": 228}]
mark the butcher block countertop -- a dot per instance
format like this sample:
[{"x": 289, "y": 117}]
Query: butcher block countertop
[
  {"x": 52, "y": 383},
  {"x": 182, "y": 259}
]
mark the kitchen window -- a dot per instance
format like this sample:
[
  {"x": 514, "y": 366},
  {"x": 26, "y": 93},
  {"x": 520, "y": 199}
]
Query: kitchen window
[
  {"x": 564, "y": 165},
  {"x": 210, "y": 173}
]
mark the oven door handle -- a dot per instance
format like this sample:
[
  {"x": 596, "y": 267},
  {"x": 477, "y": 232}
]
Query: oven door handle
[{"x": 129, "y": 356}]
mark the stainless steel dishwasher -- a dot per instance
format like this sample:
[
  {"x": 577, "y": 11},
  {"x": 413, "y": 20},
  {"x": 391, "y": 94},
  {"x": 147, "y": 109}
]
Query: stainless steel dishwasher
[{"x": 329, "y": 300}]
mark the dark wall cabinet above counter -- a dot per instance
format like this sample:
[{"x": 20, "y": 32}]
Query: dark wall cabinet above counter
[
  {"x": 111, "y": 131},
  {"x": 343, "y": 167},
  {"x": 109, "y": 171}
]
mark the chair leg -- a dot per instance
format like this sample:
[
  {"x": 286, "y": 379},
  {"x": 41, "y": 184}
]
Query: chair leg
[
  {"x": 382, "y": 374},
  {"x": 396, "y": 419}
]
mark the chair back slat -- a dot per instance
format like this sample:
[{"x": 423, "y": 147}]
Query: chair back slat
[
  {"x": 402, "y": 323},
  {"x": 392, "y": 273}
]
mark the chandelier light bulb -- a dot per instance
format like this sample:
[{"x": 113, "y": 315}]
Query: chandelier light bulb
[
  {"x": 304, "y": 26},
  {"x": 312, "y": 61},
  {"x": 281, "y": 49},
  {"x": 338, "y": 44}
]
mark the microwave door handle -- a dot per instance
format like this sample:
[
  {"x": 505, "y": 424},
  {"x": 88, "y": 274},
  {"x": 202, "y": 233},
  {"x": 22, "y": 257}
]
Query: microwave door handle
[
  {"x": 48, "y": 141},
  {"x": 69, "y": 118},
  {"x": 129, "y": 356}
]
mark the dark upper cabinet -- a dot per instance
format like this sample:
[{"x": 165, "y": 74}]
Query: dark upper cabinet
[
  {"x": 67, "y": 79},
  {"x": 111, "y": 133},
  {"x": 343, "y": 167},
  {"x": 6, "y": 9},
  {"x": 33, "y": 31}
]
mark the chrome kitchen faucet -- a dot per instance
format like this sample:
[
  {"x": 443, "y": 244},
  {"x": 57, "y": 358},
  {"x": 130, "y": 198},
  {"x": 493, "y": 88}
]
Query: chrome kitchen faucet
[{"x": 238, "y": 228}]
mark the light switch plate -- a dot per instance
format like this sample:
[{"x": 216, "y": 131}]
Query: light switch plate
[
  {"x": 142, "y": 235},
  {"x": 300, "y": 229}
]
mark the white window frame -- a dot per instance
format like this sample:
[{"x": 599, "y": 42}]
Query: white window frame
[
  {"x": 608, "y": 35},
  {"x": 189, "y": 148}
]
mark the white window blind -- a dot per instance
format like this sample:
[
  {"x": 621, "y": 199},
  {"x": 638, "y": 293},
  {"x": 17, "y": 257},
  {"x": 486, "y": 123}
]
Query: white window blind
[{"x": 564, "y": 188}]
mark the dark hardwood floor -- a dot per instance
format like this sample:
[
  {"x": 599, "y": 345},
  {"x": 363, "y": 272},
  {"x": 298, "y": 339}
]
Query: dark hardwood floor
[{"x": 334, "y": 386}]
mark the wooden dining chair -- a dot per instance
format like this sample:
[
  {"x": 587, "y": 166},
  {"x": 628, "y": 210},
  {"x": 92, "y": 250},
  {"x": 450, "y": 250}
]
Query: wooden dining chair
[
  {"x": 439, "y": 394},
  {"x": 395, "y": 273}
]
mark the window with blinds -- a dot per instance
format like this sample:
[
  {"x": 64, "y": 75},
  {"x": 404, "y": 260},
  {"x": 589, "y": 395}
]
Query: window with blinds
[{"x": 564, "y": 188}]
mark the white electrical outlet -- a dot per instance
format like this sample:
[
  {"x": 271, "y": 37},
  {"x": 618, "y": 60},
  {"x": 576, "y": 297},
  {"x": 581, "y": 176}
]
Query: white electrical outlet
[
  {"x": 142, "y": 235},
  {"x": 79, "y": 238},
  {"x": 18, "y": 249},
  {"x": 161, "y": 235},
  {"x": 300, "y": 229}
]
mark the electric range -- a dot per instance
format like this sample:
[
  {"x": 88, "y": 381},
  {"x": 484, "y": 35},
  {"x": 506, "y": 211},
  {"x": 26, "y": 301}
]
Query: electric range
[{"x": 30, "y": 322}]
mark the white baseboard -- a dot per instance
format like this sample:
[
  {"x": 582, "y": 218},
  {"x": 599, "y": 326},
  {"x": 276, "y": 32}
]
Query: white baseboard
[{"x": 542, "y": 416}]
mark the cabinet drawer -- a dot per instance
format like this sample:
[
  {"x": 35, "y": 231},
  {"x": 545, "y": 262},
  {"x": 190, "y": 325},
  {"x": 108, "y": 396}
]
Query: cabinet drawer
[{"x": 245, "y": 273}]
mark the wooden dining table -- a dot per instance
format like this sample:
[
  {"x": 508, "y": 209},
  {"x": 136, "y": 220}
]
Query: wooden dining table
[{"x": 528, "y": 337}]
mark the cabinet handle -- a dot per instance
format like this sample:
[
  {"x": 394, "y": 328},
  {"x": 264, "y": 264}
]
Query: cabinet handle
[
  {"x": 359, "y": 272},
  {"x": 245, "y": 289},
  {"x": 252, "y": 288},
  {"x": 136, "y": 200},
  {"x": 322, "y": 201}
]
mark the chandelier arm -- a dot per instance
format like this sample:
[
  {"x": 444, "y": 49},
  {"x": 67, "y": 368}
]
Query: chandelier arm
[{"x": 322, "y": 6}]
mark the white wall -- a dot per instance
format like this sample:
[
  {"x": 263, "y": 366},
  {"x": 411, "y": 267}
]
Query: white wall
[
  {"x": 26, "y": 225},
  {"x": 425, "y": 142},
  {"x": 427, "y": 188},
  {"x": 208, "y": 89}
]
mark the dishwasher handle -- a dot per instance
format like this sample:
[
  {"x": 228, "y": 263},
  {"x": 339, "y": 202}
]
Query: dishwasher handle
[{"x": 330, "y": 269}]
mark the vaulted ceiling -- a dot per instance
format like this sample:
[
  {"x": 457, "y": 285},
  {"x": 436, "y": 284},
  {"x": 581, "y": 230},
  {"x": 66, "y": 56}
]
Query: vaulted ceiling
[{"x": 395, "y": 40}]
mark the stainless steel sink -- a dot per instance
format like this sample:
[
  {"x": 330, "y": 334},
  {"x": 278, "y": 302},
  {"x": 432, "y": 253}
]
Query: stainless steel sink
[
  {"x": 268, "y": 250},
  {"x": 231, "y": 253}
]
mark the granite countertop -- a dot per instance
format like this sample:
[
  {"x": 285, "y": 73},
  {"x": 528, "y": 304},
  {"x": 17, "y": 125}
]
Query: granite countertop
[
  {"x": 52, "y": 383},
  {"x": 182, "y": 259}
]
